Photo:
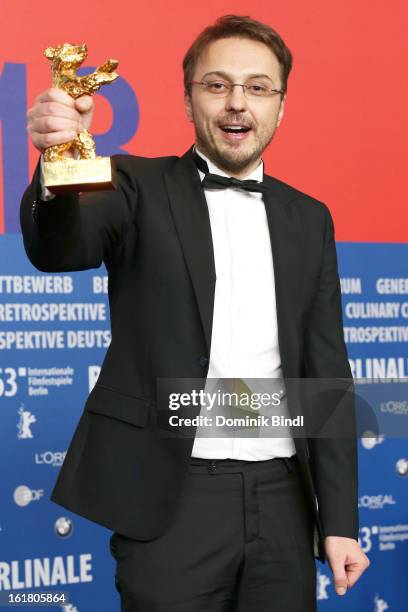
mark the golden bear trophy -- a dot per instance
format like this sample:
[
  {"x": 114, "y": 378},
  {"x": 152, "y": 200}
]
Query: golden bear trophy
[{"x": 88, "y": 172}]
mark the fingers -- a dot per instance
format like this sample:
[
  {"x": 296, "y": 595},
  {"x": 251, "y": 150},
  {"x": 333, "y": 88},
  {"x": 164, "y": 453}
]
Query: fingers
[
  {"x": 49, "y": 123},
  {"x": 53, "y": 94},
  {"x": 347, "y": 562},
  {"x": 84, "y": 104},
  {"x": 347, "y": 568},
  {"x": 49, "y": 131},
  {"x": 56, "y": 118},
  {"x": 43, "y": 141},
  {"x": 339, "y": 577},
  {"x": 52, "y": 109},
  {"x": 355, "y": 570}
]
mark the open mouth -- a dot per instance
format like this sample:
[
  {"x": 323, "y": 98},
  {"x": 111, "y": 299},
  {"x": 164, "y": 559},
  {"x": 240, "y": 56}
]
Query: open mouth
[
  {"x": 235, "y": 132},
  {"x": 235, "y": 129}
]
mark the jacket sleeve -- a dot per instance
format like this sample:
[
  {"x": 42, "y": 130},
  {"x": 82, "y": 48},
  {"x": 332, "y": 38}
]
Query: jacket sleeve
[
  {"x": 333, "y": 449},
  {"x": 77, "y": 231}
]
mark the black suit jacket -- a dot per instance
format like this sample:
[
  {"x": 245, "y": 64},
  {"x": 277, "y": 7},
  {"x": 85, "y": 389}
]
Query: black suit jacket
[{"x": 154, "y": 236}]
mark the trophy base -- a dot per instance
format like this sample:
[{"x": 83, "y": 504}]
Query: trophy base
[{"x": 73, "y": 175}]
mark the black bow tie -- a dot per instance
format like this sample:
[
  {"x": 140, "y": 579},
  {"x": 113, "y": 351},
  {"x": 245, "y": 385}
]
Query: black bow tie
[{"x": 216, "y": 181}]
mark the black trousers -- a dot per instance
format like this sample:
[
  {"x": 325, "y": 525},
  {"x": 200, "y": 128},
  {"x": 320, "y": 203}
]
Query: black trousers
[{"x": 241, "y": 541}]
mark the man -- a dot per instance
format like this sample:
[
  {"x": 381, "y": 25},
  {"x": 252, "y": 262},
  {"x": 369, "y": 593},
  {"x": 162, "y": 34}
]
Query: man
[{"x": 208, "y": 278}]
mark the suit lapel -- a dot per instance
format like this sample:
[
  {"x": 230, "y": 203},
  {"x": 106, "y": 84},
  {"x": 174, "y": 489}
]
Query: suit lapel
[
  {"x": 287, "y": 244},
  {"x": 288, "y": 253},
  {"x": 192, "y": 221}
]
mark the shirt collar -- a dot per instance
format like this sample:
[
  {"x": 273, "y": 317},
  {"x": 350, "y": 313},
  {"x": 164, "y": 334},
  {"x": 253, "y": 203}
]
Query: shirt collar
[{"x": 256, "y": 175}]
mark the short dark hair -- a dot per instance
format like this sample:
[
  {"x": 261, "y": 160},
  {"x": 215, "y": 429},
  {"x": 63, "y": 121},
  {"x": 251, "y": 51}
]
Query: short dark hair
[{"x": 229, "y": 26}]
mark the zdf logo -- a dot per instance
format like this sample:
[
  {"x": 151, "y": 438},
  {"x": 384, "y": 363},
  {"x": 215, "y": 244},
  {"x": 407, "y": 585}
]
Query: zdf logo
[{"x": 23, "y": 495}]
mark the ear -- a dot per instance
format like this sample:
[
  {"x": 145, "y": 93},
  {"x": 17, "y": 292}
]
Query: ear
[
  {"x": 188, "y": 106},
  {"x": 281, "y": 110},
  {"x": 50, "y": 53}
]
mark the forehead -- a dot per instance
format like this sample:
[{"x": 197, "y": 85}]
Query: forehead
[{"x": 238, "y": 57}]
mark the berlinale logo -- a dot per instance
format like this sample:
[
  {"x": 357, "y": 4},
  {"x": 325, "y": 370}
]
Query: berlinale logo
[
  {"x": 323, "y": 582},
  {"x": 24, "y": 424},
  {"x": 380, "y": 604}
]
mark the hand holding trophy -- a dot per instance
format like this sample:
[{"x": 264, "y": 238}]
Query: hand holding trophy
[{"x": 89, "y": 172}]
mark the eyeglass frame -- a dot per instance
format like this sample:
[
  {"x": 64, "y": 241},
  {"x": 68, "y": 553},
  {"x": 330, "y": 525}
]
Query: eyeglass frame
[{"x": 243, "y": 85}]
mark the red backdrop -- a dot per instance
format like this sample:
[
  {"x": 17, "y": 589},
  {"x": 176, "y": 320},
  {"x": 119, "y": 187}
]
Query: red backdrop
[{"x": 343, "y": 138}]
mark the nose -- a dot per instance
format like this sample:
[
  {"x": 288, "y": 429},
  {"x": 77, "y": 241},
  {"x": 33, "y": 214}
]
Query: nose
[{"x": 236, "y": 100}]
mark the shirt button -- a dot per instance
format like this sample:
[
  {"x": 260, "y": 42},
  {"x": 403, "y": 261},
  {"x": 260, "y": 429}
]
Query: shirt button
[
  {"x": 212, "y": 467},
  {"x": 203, "y": 361},
  {"x": 34, "y": 210}
]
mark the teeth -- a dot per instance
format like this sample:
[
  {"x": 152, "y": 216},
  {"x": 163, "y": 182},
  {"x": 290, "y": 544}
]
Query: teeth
[{"x": 235, "y": 128}]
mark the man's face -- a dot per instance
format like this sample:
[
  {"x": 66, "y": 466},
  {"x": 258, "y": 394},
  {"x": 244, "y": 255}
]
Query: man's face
[{"x": 235, "y": 60}]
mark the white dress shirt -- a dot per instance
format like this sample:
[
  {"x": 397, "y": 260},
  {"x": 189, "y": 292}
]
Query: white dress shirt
[{"x": 244, "y": 340}]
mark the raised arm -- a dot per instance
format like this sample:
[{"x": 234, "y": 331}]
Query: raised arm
[{"x": 72, "y": 232}]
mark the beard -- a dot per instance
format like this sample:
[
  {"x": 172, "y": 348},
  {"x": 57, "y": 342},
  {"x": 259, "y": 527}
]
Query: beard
[{"x": 232, "y": 158}]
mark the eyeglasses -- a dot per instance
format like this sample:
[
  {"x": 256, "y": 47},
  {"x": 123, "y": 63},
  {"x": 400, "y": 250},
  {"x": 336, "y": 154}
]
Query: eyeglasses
[{"x": 223, "y": 88}]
